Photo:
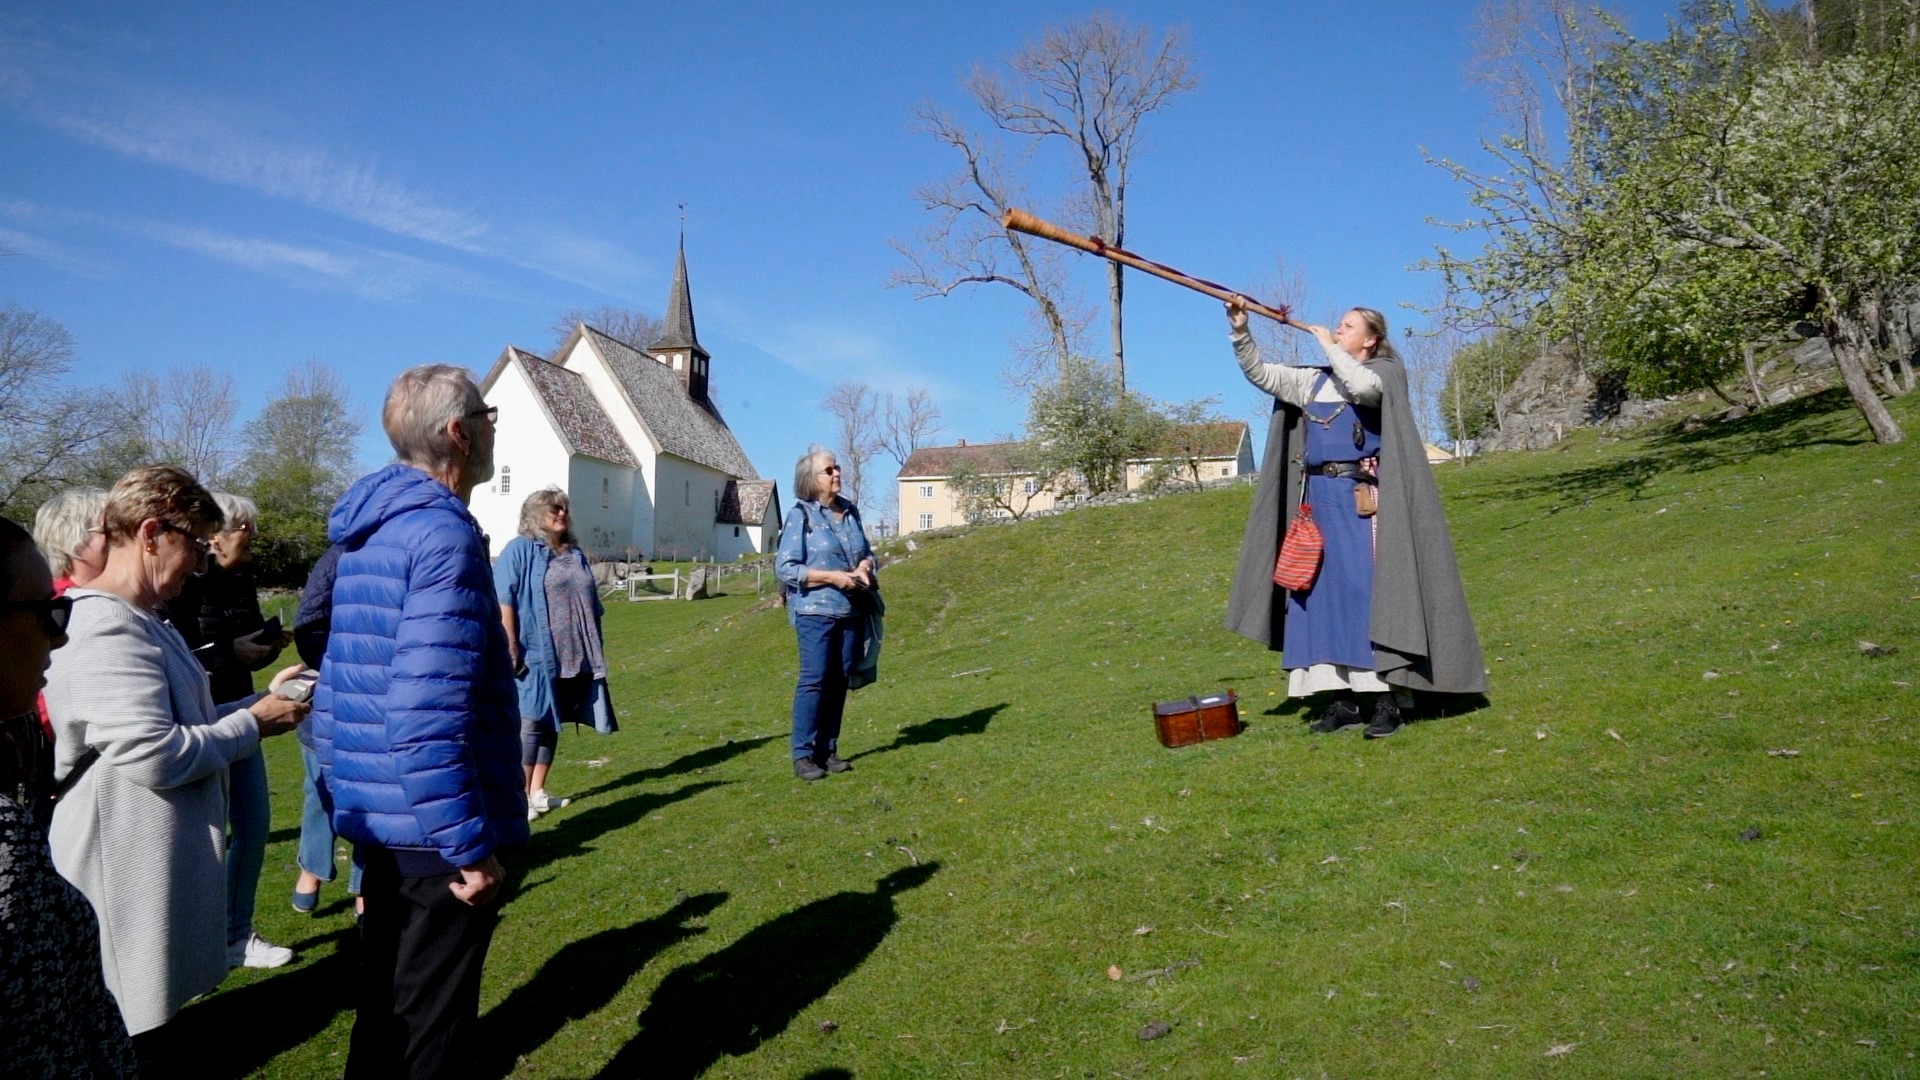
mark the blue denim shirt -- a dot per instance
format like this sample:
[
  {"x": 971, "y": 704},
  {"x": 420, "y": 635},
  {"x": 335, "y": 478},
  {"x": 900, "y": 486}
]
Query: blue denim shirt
[{"x": 811, "y": 539}]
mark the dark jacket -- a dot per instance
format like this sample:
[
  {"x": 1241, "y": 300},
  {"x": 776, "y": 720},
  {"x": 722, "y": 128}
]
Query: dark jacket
[
  {"x": 415, "y": 720},
  {"x": 1423, "y": 634},
  {"x": 229, "y": 608}
]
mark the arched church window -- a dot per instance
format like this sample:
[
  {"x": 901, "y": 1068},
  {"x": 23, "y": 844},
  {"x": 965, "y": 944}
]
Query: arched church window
[{"x": 606, "y": 493}]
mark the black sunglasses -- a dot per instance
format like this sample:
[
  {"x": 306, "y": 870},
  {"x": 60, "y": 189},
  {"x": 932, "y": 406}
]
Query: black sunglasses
[
  {"x": 491, "y": 412},
  {"x": 53, "y": 612},
  {"x": 200, "y": 544}
]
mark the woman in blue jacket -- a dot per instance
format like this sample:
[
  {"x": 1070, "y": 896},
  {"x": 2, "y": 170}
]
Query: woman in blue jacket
[
  {"x": 829, "y": 574},
  {"x": 551, "y": 610}
]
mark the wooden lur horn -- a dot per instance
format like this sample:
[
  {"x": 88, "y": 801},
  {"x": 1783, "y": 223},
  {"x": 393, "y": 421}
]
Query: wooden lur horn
[{"x": 1021, "y": 221}]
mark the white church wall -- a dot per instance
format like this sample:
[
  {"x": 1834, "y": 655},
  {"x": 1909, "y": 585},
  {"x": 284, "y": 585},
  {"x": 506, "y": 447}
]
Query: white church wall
[
  {"x": 527, "y": 456},
  {"x": 601, "y": 495},
  {"x": 686, "y": 500}
]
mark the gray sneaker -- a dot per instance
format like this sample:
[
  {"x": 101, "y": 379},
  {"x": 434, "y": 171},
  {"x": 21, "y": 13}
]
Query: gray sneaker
[{"x": 805, "y": 769}]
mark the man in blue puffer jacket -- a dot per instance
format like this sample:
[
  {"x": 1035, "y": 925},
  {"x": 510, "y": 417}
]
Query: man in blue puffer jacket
[{"x": 417, "y": 728}]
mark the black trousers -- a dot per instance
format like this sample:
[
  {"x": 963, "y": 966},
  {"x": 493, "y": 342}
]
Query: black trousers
[{"x": 419, "y": 991}]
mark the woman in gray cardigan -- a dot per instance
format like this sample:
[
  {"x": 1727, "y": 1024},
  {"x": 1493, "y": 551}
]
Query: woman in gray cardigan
[{"x": 141, "y": 832}]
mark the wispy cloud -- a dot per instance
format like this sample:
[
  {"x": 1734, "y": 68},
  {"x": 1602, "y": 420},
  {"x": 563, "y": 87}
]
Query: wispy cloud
[
  {"x": 368, "y": 273},
  {"x": 246, "y": 147},
  {"x": 32, "y": 246},
  {"x": 834, "y": 353}
]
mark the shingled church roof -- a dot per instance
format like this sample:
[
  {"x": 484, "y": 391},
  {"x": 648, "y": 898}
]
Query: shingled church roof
[
  {"x": 745, "y": 502},
  {"x": 578, "y": 418},
  {"x": 685, "y": 428}
]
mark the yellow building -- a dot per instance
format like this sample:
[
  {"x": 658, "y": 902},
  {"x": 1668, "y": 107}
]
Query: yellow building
[{"x": 1203, "y": 452}]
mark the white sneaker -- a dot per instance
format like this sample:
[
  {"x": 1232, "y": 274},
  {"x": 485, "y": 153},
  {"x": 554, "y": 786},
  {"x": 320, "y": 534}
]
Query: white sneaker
[
  {"x": 257, "y": 952},
  {"x": 532, "y": 814},
  {"x": 540, "y": 802}
]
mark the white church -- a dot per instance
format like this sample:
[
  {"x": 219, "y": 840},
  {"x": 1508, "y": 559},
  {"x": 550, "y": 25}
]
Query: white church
[{"x": 648, "y": 463}]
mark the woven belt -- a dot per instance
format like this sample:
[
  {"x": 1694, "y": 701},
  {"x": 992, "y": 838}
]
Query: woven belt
[{"x": 1349, "y": 469}]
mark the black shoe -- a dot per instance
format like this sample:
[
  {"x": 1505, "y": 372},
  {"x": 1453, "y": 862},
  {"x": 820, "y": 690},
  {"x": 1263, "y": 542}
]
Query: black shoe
[
  {"x": 835, "y": 763},
  {"x": 805, "y": 769},
  {"x": 1343, "y": 713},
  {"x": 1386, "y": 718}
]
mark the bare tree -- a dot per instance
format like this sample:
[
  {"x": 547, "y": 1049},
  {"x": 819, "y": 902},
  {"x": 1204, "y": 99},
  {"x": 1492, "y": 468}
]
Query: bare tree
[
  {"x": 907, "y": 425},
  {"x": 629, "y": 326},
  {"x": 1091, "y": 83},
  {"x": 966, "y": 245},
  {"x": 184, "y": 418},
  {"x": 48, "y": 429},
  {"x": 853, "y": 406}
]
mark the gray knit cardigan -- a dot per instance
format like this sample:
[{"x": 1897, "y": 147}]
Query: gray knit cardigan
[{"x": 143, "y": 833}]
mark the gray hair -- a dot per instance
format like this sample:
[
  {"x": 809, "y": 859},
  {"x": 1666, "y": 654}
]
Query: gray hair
[
  {"x": 533, "y": 514},
  {"x": 239, "y": 509},
  {"x": 806, "y": 472},
  {"x": 61, "y": 525},
  {"x": 419, "y": 404}
]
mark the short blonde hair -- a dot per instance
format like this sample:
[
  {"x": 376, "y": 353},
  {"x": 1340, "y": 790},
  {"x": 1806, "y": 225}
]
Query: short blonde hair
[
  {"x": 61, "y": 525},
  {"x": 1377, "y": 326},
  {"x": 419, "y": 404},
  {"x": 806, "y": 472},
  {"x": 166, "y": 493}
]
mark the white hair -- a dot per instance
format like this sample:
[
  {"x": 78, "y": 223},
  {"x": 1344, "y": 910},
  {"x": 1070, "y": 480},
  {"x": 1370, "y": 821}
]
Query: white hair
[
  {"x": 419, "y": 404},
  {"x": 61, "y": 525}
]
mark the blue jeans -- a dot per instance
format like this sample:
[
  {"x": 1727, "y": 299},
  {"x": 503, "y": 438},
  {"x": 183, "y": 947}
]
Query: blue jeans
[
  {"x": 316, "y": 827},
  {"x": 248, "y": 820},
  {"x": 827, "y": 652}
]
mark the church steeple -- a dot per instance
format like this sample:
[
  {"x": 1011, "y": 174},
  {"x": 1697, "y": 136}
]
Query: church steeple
[{"x": 678, "y": 347}]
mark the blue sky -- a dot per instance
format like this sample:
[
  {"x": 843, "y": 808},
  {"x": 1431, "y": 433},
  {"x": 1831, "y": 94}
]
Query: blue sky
[{"x": 379, "y": 185}]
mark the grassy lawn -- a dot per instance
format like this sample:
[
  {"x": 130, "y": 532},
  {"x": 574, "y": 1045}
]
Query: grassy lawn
[{"x": 1680, "y": 838}]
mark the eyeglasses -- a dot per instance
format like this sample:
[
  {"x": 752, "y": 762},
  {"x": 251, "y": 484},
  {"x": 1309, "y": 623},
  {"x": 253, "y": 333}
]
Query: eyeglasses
[
  {"x": 830, "y": 469},
  {"x": 202, "y": 546},
  {"x": 491, "y": 412},
  {"x": 53, "y": 612}
]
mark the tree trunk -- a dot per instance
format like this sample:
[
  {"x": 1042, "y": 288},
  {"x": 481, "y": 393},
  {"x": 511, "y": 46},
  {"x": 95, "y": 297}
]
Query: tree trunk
[
  {"x": 1852, "y": 352},
  {"x": 1115, "y": 286},
  {"x": 1753, "y": 376}
]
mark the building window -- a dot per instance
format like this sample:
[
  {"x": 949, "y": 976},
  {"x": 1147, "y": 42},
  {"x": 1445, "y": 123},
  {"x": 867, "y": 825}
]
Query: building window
[
  {"x": 1226, "y": 470},
  {"x": 506, "y": 479},
  {"x": 1030, "y": 487},
  {"x": 606, "y": 493},
  {"x": 926, "y": 491},
  {"x": 736, "y": 530},
  {"x": 926, "y": 521},
  {"x": 686, "y": 494}
]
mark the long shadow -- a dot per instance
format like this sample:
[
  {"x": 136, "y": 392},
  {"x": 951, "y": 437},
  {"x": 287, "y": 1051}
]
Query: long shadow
[
  {"x": 582, "y": 977},
  {"x": 734, "y": 1000},
  {"x": 571, "y": 835},
  {"x": 685, "y": 763},
  {"x": 237, "y": 1032},
  {"x": 933, "y": 731},
  {"x": 1771, "y": 430}
]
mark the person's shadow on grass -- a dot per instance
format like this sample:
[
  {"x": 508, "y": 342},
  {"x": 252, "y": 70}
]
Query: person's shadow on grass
[
  {"x": 685, "y": 763},
  {"x": 236, "y": 1032},
  {"x": 730, "y": 1002},
  {"x": 933, "y": 731},
  {"x": 571, "y": 835},
  {"x": 581, "y": 978}
]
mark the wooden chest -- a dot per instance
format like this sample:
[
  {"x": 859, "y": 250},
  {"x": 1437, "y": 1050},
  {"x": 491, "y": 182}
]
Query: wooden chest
[{"x": 1197, "y": 719}]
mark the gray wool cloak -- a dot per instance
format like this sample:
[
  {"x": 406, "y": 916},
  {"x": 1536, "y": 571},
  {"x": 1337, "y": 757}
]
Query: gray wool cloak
[{"x": 1423, "y": 635}]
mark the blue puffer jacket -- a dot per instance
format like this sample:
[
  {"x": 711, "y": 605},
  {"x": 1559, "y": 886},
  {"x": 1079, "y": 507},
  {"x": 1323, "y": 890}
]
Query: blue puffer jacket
[{"x": 415, "y": 720}]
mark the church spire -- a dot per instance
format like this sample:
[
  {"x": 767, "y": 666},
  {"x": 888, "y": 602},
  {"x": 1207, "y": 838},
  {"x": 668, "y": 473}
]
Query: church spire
[{"x": 678, "y": 346}]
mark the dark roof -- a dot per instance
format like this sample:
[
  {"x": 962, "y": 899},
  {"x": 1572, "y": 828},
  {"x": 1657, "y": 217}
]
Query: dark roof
[
  {"x": 933, "y": 461},
  {"x": 576, "y": 415},
  {"x": 745, "y": 502},
  {"x": 1211, "y": 440},
  {"x": 678, "y": 333},
  {"x": 683, "y": 427}
]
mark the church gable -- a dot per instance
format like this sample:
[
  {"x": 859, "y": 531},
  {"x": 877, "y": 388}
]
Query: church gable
[{"x": 571, "y": 408}]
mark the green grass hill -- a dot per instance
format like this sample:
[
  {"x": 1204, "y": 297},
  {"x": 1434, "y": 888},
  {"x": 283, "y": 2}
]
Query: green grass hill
[{"x": 1679, "y": 839}]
